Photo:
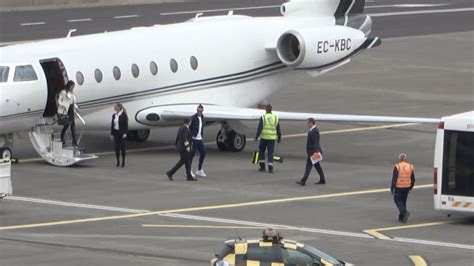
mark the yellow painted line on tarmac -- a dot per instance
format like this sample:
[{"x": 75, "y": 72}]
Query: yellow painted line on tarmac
[
  {"x": 201, "y": 226},
  {"x": 202, "y": 208},
  {"x": 418, "y": 260},
  {"x": 376, "y": 232},
  {"x": 339, "y": 131},
  {"x": 350, "y": 130}
]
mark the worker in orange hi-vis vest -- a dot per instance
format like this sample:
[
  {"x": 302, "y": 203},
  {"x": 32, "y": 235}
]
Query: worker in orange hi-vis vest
[{"x": 403, "y": 180}]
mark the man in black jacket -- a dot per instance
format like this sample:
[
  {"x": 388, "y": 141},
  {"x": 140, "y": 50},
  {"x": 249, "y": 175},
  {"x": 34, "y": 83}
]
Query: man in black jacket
[
  {"x": 183, "y": 145},
  {"x": 197, "y": 133},
  {"x": 313, "y": 149}
]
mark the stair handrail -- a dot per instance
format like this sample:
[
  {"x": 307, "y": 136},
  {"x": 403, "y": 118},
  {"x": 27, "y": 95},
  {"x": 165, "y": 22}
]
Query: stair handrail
[{"x": 83, "y": 123}]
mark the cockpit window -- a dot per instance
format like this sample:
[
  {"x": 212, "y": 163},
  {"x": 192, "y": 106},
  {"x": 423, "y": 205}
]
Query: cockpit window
[
  {"x": 25, "y": 73},
  {"x": 4, "y": 70}
]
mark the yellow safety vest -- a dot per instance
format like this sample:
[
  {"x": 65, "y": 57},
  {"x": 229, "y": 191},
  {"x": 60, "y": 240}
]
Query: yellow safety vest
[
  {"x": 269, "y": 131},
  {"x": 405, "y": 171}
]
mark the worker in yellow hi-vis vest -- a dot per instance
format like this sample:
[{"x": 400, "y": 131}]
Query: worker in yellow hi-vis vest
[
  {"x": 403, "y": 181},
  {"x": 268, "y": 132}
]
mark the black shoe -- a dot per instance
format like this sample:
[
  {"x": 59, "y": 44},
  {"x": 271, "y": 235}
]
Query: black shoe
[
  {"x": 405, "y": 217},
  {"x": 191, "y": 179},
  {"x": 320, "y": 183},
  {"x": 301, "y": 183},
  {"x": 170, "y": 176},
  {"x": 270, "y": 171},
  {"x": 261, "y": 170},
  {"x": 118, "y": 164},
  {"x": 123, "y": 165}
]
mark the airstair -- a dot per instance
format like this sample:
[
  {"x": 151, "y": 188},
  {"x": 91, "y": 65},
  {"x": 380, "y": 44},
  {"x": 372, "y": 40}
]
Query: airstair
[{"x": 46, "y": 139}]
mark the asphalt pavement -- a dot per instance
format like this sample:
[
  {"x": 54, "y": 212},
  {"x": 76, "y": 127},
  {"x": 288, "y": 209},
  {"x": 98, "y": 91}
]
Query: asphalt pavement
[{"x": 392, "y": 18}]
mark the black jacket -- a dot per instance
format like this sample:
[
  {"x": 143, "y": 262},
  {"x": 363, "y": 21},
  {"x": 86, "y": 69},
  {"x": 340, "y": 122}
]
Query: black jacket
[
  {"x": 183, "y": 139},
  {"x": 194, "y": 127},
  {"x": 312, "y": 144},
  {"x": 123, "y": 125}
]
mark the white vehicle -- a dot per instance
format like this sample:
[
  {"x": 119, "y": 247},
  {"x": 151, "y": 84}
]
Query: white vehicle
[
  {"x": 454, "y": 165},
  {"x": 161, "y": 73},
  {"x": 5, "y": 179}
]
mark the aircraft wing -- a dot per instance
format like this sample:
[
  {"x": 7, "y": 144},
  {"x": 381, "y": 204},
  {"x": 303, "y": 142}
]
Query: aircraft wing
[{"x": 154, "y": 115}]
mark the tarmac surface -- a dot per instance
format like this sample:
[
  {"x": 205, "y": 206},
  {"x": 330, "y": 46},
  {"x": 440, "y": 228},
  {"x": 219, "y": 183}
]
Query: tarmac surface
[
  {"x": 392, "y": 18},
  {"x": 97, "y": 214}
]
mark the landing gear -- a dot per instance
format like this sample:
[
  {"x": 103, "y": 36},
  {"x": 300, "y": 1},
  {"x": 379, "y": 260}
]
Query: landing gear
[
  {"x": 6, "y": 141},
  {"x": 139, "y": 135},
  {"x": 5, "y": 154},
  {"x": 229, "y": 140}
]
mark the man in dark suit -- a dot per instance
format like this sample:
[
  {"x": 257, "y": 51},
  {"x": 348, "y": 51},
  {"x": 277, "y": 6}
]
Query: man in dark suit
[
  {"x": 184, "y": 146},
  {"x": 313, "y": 149}
]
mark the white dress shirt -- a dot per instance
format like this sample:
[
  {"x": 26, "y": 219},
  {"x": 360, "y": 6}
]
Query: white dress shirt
[
  {"x": 199, "y": 136},
  {"x": 116, "y": 120}
]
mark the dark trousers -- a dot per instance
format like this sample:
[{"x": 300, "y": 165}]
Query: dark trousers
[
  {"x": 185, "y": 159},
  {"x": 269, "y": 145},
  {"x": 199, "y": 146},
  {"x": 309, "y": 167},
  {"x": 73, "y": 132},
  {"x": 119, "y": 144},
  {"x": 400, "y": 197}
]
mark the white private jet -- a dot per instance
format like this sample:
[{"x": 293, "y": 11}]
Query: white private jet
[{"x": 161, "y": 73}]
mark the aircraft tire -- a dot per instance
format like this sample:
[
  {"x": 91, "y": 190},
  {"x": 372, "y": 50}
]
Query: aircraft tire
[
  {"x": 5, "y": 154},
  {"x": 222, "y": 146},
  {"x": 236, "y": 142},
  {"x": 139, "y": 135}
]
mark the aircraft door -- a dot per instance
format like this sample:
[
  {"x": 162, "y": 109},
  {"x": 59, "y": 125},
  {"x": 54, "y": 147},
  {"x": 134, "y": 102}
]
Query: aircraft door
[{"x": 56, "y": 78}]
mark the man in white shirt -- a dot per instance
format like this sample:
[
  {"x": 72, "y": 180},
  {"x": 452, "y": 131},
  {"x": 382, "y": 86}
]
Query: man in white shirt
[{"x": 197, "y": 130}]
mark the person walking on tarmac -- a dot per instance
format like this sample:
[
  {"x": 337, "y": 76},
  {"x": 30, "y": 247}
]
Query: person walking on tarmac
[
  {"x": 119, "y": 131},
  {"x": 313, "y": 149},
  {"x": 403, "y": 181},
  {"x": 183, "y": 145},
  {"x": 197, "y": 132},
  {"x": 268, "y": 131}
]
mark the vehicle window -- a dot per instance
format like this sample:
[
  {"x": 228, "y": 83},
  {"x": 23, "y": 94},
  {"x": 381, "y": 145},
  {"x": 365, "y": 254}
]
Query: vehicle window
[
  {"x": 135, "y": 70},
  {"x": 117, "y": 73},
  {"x": 262, "y": 254},
  {"x": 4, "y": 70},
  {"x": 80, "y": 78},
  {"x": 98, "y": 75},
  {"x": 24, "y": 73},
  {"x": 458, "y": 169},
  {"x": 225, "y": 251},
  {"x": 296, "y": 258},
  {"x": 194, "y": 62},
  {"x": 153, "y": 68},
  {"x": 174, "y": 65},
  {"x": 315, "y": 253}
]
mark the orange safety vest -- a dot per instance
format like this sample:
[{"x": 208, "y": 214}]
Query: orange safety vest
[{"x": 405, "y": 170}]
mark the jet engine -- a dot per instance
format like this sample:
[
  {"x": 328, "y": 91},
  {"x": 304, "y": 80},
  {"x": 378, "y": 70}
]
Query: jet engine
[{"x": 314, "y": 48}]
